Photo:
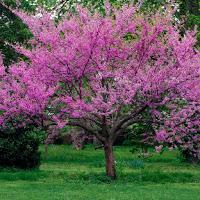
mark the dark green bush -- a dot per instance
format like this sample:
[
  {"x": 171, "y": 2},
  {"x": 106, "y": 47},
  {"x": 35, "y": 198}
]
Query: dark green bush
[
  {"x": 19, "y": 148},
  {"x": 194, "y": 20}
]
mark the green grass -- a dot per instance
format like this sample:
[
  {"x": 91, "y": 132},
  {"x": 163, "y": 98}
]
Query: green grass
[{"x": 72, "y": 175}]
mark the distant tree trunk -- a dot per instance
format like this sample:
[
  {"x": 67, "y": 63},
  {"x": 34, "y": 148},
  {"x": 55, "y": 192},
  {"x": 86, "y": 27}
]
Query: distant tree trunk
[
  {"x": 145, "y": 149},
  {"x": 110, "y": 161},
  {"x": 46, "y": 151}
]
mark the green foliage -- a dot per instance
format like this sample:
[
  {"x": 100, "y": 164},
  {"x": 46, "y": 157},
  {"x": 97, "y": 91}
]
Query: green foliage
[
  {"x": 12, "y": 30},
  {"x": 19, "y": 148},
  {"x": 152, "y": 5},
  {"x": 190, "y": 9},
  {"x": 140, "y": 135},
  {"x": 195, "y": 21}
]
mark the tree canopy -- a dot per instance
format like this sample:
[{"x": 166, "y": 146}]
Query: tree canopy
[{"x": 101, "y": 72}]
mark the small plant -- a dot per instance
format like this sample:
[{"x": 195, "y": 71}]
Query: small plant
[{"x": 136, "y": 164}]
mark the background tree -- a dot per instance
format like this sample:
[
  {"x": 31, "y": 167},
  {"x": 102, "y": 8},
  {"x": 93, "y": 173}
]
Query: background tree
[
  {"x": 11, "y": 27},
  {"x": 12, "y": 30}
]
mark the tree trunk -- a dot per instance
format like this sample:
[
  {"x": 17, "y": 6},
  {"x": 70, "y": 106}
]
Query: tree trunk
[{"x": 110, "y": 161}]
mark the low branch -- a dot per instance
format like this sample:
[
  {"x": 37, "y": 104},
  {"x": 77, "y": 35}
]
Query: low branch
[{"x": 88, "y": 129}]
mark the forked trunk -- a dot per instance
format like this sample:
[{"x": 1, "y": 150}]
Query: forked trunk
[{"x": 110, "y": 161}]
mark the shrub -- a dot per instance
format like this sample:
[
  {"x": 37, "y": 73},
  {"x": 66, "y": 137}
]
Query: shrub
[{"x": 19, "y": 148}]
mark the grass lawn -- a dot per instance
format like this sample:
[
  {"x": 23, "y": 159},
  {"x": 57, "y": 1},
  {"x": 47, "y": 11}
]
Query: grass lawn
[{"x": 79, "y": 175}]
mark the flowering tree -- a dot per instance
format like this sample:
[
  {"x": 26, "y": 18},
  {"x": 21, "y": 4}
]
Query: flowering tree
[
  {"x": 100, "y": 73},
  {"x": 183, "y": 133},
  {"x": 181, "y": 130}
]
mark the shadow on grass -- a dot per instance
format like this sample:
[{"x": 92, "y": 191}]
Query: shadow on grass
[
  {"x": 16, "y": 174},
  {"x": 66, "y": 153},
  {"x": 91, "y": 157},
  {"x": 139, "y": 176}
]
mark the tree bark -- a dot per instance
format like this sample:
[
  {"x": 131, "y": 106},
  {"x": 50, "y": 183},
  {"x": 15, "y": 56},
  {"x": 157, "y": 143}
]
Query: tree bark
[{"x": 110, "y": 161}]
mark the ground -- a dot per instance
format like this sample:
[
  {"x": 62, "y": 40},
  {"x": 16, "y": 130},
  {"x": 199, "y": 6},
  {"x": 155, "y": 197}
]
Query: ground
[{"x": 68, "y": 174}]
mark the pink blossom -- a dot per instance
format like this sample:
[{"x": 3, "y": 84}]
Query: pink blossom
[
  {"x": 161, "y": 136},
  {"x": 159, "y": 148}
]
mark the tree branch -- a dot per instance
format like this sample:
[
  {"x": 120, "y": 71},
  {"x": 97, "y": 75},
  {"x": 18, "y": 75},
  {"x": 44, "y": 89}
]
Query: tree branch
[
  {"x": 126, "y": 119},
  {"x": 88, "y": 129}
]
